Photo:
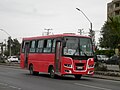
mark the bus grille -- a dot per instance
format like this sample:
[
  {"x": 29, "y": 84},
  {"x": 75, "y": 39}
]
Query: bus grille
[{"x": 79, "y": 66}]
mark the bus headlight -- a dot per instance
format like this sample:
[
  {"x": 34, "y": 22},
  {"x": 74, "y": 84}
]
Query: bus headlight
[
  {"x": 91, "y": 66},
  {"x": 68, "y": 65}
]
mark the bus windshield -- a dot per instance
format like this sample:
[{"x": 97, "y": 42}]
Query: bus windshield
[{"x": 78, "y": 46}]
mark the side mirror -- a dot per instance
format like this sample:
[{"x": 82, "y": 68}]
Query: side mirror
[{"x": 95, "y": 58}]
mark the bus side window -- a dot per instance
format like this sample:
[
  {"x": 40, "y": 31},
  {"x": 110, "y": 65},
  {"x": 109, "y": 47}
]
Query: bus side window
[
  {"x": 53, "y": 46},
  {"x": 32, "y": 46},
  {"x": 24, "y": 43},
  {"x": 47, "y": 45},
  {"x": 23, "y": 47},
  {"x": 39, "y": 46}
]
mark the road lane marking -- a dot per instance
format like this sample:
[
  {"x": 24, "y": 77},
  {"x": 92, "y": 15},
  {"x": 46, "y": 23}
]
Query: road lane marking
[
  {"x": 15, "y": 87},
  {"x": 90, "y": 86},
  {"x": 10, "y": 86},
  {"x": 4, "y": 84}
]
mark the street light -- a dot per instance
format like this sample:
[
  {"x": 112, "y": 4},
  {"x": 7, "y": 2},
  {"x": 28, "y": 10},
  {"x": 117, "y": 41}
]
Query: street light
[
  {"x": 85, "y": 17},
  {"x": 92, "y": 33},
  {"x": 9, "y": 40}
]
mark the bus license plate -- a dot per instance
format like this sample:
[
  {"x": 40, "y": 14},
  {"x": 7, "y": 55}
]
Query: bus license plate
[{"x": 79, "y": 67}]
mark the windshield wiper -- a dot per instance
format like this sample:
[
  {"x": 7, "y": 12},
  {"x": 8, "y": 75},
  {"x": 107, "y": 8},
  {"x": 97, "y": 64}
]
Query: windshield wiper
[
  {"x": 75, "y": 52},
  {"x": 79, "y": 53},
  {"x": 84, "y": 52}
]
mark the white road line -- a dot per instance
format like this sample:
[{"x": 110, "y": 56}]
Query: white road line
[
  {"x": 15, "y": 87},
  {"x": 4, "y": 84},
  {"x": 7, "y": 85},
  {"x": 89, "y": 86}
]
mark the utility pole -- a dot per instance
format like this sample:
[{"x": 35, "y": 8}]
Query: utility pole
[
  {"x": 9, "y": 38},
  {"x": 92, "y": 33},
  {"x": 5, "y": 45},
  {"x": 48, "y": 30},
  {"x": 80, "y": 31},
  {"x": 85, "y": 17}
]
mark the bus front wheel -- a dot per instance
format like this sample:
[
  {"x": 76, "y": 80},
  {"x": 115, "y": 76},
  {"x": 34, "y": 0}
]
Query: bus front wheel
[{"x": 52, "y": 72}]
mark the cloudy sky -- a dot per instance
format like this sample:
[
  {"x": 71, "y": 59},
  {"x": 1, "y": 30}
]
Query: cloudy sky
[{"x": 24, "y": 18}]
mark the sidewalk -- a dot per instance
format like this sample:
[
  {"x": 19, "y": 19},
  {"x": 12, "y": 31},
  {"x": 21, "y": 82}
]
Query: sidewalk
[
  {"x": 11, "y": 65},
  {"x": 106, "y": 75}
]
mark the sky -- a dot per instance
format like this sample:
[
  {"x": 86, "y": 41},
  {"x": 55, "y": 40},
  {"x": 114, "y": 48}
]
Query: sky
[{"x": 26, "y": 18}]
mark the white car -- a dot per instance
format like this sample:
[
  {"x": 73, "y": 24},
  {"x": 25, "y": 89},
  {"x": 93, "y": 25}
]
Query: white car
[
  {"x": 102, "y": 58},
  {"x": 12, "y": 59}
]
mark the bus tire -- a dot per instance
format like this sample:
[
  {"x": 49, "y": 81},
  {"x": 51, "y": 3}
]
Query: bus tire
[
  {"x": 32, "y": 72},
  {"x": 78, "y": 77},
  {"x": 52, "y": 72}
]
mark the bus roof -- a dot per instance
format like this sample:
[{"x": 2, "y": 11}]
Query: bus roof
[{"x": 53, "y": 36}]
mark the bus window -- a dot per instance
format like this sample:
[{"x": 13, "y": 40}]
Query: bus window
[
  {"x": 47, "y": 46},
  {"x": 53, "y": 47},
  {"x": 39, "y": 46},
  {"x": 78, "y": 47},
  {"x": 71, "y": 46},
  {"x": 24, "y": 43},
  {"x": 32, "y": 46},
  {"x": 86, "y": 47}
]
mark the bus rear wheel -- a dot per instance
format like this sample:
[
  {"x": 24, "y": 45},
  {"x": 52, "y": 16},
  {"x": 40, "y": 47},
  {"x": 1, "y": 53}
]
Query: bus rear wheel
[
  {"x": 32, "y": 72},
  {"x": 77, "y": 77},
  {"x": 52, "y": 72}
]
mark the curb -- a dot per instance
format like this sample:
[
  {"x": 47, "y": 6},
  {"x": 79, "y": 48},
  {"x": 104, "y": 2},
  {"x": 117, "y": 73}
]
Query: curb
[
  {"x": 104, "y": 77},
  {"x": 15, "y": 66}
]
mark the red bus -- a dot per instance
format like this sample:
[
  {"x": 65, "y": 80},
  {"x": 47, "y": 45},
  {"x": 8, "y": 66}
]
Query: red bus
[{"x": 62, "y": 54}]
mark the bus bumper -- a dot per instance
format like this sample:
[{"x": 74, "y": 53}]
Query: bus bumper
[{"x": 77, "y": 67}]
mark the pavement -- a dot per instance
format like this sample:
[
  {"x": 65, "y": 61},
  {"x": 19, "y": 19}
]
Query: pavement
[
  {"x": 104, "y": 77},
  {"x": 20, "y": 79},
  {"x": 98, "y": 74}
]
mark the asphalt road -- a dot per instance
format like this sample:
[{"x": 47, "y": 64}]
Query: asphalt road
[{"x": 18, "y": 79}]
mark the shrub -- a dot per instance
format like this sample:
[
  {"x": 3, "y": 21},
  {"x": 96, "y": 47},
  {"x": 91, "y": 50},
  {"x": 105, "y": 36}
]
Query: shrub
[
  {"x": 100, "y": 67},
  {"x": 109, "y": 53}
]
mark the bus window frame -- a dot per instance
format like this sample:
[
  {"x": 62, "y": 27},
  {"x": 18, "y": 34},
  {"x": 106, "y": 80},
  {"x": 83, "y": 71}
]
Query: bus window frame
[
  {"x": 53, "y": 45},
  {"x": 36, "y": 43},
  {"x": 64, "y": 39},
  {"x": 45, "y": 46},
  {"x": 32, "y": 48},
  {"x": 40, "y": 47},
  {"x": 23, "y": 45}
]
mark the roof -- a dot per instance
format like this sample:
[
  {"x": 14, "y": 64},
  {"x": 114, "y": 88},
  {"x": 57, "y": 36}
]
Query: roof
[{"x": 54, "y": 36}]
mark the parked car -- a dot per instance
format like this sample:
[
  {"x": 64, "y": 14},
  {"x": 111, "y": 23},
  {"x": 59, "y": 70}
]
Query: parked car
[
  {"x": 12, "y": 59},
  {"x": 114, "y": 60},
  {"x": 101, "y": 58}
]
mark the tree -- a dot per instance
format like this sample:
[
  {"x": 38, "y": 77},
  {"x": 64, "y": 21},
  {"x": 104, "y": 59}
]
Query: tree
[
  {"x": 15, "y": 47},
  {"x": 110, "y": 33}
]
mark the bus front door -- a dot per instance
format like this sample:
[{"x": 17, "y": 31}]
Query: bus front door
[
  {"x": 26, "y": 54},
  {"x": 58, "y": 57}
]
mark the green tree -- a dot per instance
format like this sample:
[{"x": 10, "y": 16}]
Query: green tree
[
  {"x": 110, "y": 33},
  {"x": 15, "y": 47}
]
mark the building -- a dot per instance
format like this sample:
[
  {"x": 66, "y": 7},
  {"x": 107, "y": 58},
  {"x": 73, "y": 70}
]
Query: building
[{"x": 113, "y": 8}]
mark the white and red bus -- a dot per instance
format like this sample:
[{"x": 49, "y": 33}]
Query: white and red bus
[{"x": 62, "y": 54}]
